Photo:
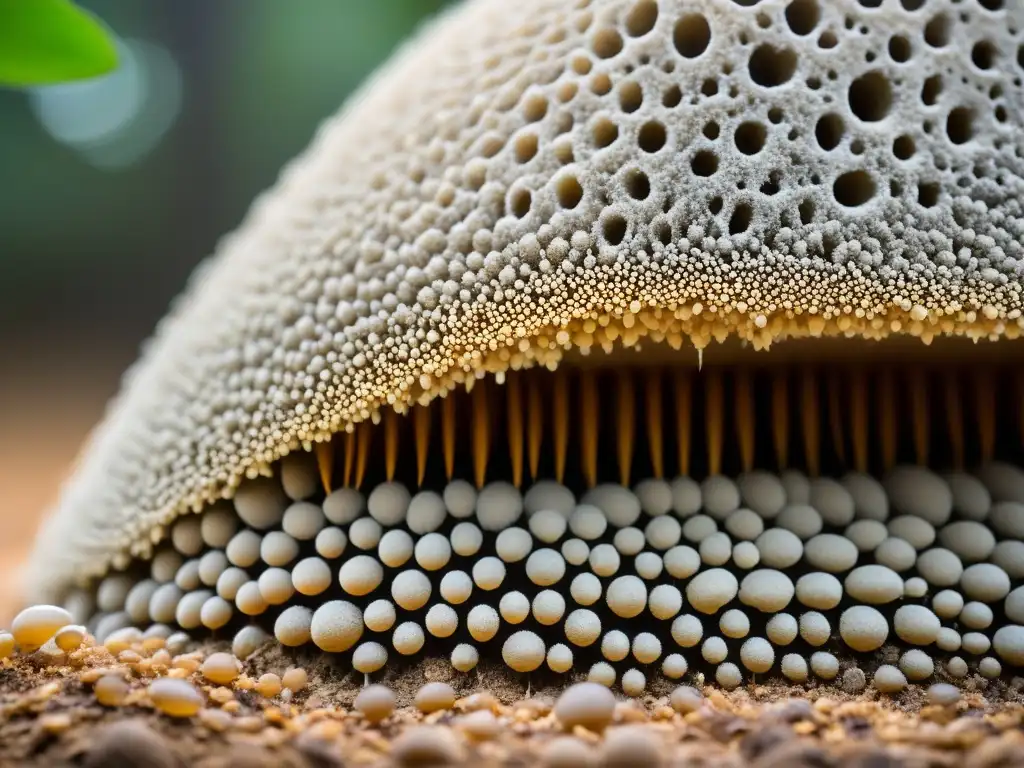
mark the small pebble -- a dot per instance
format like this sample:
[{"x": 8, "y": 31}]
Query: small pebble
[
  {"x": 590, "y": 705},
  {"x": 434, "y": 697},
  {"x": 375, "y": 702},
  {"x": 174, "y": 697}
]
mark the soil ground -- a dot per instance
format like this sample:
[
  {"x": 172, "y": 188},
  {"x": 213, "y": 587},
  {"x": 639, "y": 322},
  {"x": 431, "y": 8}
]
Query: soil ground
[{"x": 49, "y": 716}]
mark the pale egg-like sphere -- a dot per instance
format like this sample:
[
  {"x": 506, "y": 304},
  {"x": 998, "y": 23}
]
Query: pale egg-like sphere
[
  {"x": 466, "y": 539},
  {"x": 549, "y": 495},
  {"x": 548, "y": 607},
  {"x": 545, "y": 567},
  {"x": 459, "y": 498},
  {"x": 276, "y": 586},
  {"x": 547, "y": 525},
  {"x": 746, "y": 555},
  {"x": 782, "y": 628},
  {"x": 663, "y": 533},
  {"x": 682, "y": 561},
  {"x": 408, "y": 638},
  {"x": 360, "y": 575},
  {"x": 687, "y": 630},
  {"x": 587, "y": 522},
  {"x": 664, "y": 601},
  {"x": 380, "y": 616},
  {"x": 734, "y": 623},
  {"x": 523, "y": 651},
  {"x": 757, "y": 655},
  {"x": 464, "y": 657},
  {"x": 514, "y": 607},
  {"x": 674, "y": 666},
  {"x": 311, "y": 576},
  {"x": 303, "y": 521},
  {"x": 582, "y": 627},
  {"x": 602, "y": 673},
  {"x": 629, "y": 541},
  {"x": 716, "y": 549},
  {"x": 498, "y": 506},
  {"x": 331, "y": 542},
  {"x": 395, "y": 548},
  {"x": 456, "y": 587},
  {"x": 343, "y": 505},
  {"x": 441, "y": 620},
  {"x": 388, "y": 503},
  {"x": 365, "y": 533},
  {"x": 433, "y": 551},
  {"x": 488, "y": 573},
  {"x": 410, "y": 589},
  {"x": 648, "y": 565},
  {"x": 626, "y": 596},
  {"x": 615, "y": 645},
  {"x": 604, "y": 560},
  {"x": 369, "y": 658},
  {"x": 585, "y": 589},
  {"x": 714, "y": 650},
  {"x": 575, "y": 551},
  {"x": 426, "y": 512},
  {"x": 634, "y": 682},
  {"x": 483, "y": 623},
  {"x": 513, "y": 544},
  {"x": 336, "y": 626},
  {"x": 559, "y": 658}
]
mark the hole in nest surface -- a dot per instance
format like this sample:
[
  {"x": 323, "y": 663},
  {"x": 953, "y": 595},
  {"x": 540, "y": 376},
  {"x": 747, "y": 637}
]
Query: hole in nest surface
[
  {"x": 750, "y": 138},
  {"x": 692, "y": 35},
  {"x": 770, "y": 66},
  {"x": 853, "y": 188},
  {"x": 870, "y": 96}
]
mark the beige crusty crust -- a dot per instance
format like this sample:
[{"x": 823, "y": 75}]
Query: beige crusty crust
[{"x": 531, "y": 176}]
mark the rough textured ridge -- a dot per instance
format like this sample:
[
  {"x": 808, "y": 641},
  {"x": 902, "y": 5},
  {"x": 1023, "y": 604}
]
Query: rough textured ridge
[{"x": 531, "y": 176}]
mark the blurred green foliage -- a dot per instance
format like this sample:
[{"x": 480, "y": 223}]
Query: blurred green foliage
[
  {"x": 51, "y": 41},
  {"x": 91, "y": 250}
]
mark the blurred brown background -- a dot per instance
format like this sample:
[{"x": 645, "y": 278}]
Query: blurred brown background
[{"x": 112, "y": 190}]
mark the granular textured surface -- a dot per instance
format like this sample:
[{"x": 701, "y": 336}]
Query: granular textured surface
[
  {"x": 531, "y": 177},
  {"x": 51, "y": 714}
]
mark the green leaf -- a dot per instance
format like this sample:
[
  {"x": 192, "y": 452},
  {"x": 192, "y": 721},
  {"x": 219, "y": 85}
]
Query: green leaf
[{"x": 51, "y": 41}]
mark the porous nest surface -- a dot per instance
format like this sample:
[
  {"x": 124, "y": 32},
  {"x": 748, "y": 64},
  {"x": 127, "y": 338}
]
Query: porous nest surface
[
  {"x": 132, "y": 703},
  {"x": 544, "y": 175}
]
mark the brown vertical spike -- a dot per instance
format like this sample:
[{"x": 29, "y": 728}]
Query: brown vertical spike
[
  {"x": 325, "y": 462},
  {"x": 350, "y": 456},
  {"x": 920, "y": 412},
  {"x": 535, "y": 424},
  {"x": 714, "y": 415},
  {"x": 985, "y": 412},
  {"x": 780, "y": 417},
  {"x": 859, "y": 419},
  {"x": 589, "y": 414},
  {"x": 390, "y": 443},
  {"x": 365, "y": 430},
  {"x": 888, "y": 417},
  {"x": 810, "y": 420},
  {"x": 655, "y": 414},
  {"x": 953, "y": 404},
  {"x": 835, "y": 413},
  {"x": 448, "y": 433},
  {"x": 745, "y": 418},
  {"x": 515, "y": 426},
  {"x": 421, "y": 428},
  {"x": 560, "y": 418},
  {"x": 481, "y": 431},
  {"x": 683, "y": 394},
  {"x": 626, "y": 409}
]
